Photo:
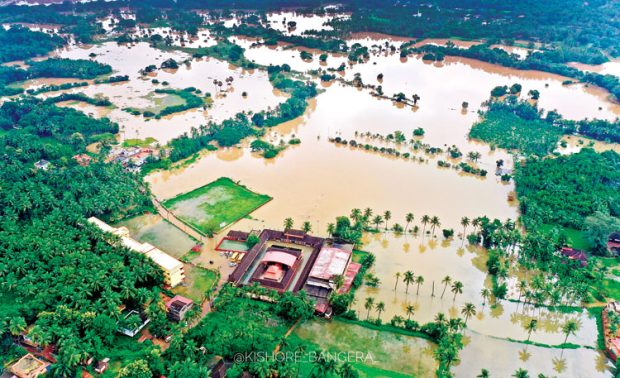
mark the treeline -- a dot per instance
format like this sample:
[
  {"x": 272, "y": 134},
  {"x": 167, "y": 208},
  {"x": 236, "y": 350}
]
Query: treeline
[
  {"x": 228, "y": 133},
  {"x": 519, "y": 125},
  {"x": 272, "y": 37},
  {"x": 547, "y": 62},
  {"x": 294, "y": 106},
  {"x": 584, "y": 32},
  {"x": 567, "y": 189},
  {"x": 96, "y": 101},
  {"x": 58, "y": 274},
  {"x": 44, "y": 119},
  {"x": 19, "y": 43}
]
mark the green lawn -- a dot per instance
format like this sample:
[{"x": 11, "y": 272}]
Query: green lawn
[
  {"x": 357, "y": 255},
  {"x": 197, "y": 282},
  {"x": 216, "y": 205},
  {"x": 576, "y": 238}
]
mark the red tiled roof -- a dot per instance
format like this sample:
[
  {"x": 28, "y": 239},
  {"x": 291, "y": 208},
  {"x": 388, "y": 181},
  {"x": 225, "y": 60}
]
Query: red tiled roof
[{"x": 349, "y": 276}]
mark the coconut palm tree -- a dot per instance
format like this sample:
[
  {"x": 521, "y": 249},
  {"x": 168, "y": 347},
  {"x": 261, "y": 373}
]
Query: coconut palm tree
[
  {"x": 367, "y": 213},
  {"x": 380, "y": 308},
  {"x": 397, "y": 275},
  {"x": 530, "y": 327},
  {"x": 468, "y": 310},
  {"x": 368, "y": 305},
  {"x": 307, "y": 227},
  {"x": 570, "y": 328},
  {"x": 409, "y": 219},
  {"x": 464, "y": 223},
  {"x": 434, "y": 223},
  {"x": 331, "y": 228},
  {"x": 520, "y": 373},
  {"x": 410, "y": 310},
  {"x": 346, "y": 370},
  {"x": 377, "y": 220},
  {"x": 446, "y": 281},
  {"x": 457, "y": 288},
  {"x": 419, "y": 280},
  {"x": 387, "y": 215},
  {"x": 338, "y": 280},
  {"x": 522, "y": 285},
  {"x": 415, "y": 99},
  {"x": 288, "y": 223},
  {"x": 425, "y": 220},
  {"x": 485, "y": 294},
  {"x": 356, "y": 214},
  {"x": 408, "y": 279},
  {"x": 484, "y": 373}
]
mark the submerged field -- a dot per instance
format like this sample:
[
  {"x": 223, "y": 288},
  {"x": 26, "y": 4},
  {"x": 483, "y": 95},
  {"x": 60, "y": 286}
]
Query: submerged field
[
  {"x": 216, "y": 205},
  {"x": 381, "y": 354}
]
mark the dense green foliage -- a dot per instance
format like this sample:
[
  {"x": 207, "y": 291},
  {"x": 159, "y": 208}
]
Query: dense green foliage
[
  {"x": 567, "y": 189},
  {"x": 578, "y": 31},
  {"x": 79, "y": 68},
  {"x": 61, "y": 274},
  {"x": 507, "y": 130},
  {"x": 519, "y": 125},
  {"x": 19, "y": 43}
]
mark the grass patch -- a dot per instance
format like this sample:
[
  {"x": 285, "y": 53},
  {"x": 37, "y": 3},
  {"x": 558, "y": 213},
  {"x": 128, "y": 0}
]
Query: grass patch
[
  {"x": 198, "y": 282},
  {"x": 139, "y": 142},
  {"x": 509, "y": 131},
  {"x": 214, "y": 206},
  {"x": 189, "y": 256},
  {"x": 576, "y": 238}
]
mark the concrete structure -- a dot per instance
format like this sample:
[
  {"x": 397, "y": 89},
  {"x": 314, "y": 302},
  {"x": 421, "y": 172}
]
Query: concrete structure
[
  {"x": 292, "y": 260},
  {"x": 29, "y": 367},
  {"x": 173, "y": 269},
  {"x": 42, "y": 164},
  {"x": 178, "y": 306}
]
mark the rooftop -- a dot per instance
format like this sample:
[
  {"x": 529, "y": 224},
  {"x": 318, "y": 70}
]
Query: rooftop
[{"x": 331, "y": 262}]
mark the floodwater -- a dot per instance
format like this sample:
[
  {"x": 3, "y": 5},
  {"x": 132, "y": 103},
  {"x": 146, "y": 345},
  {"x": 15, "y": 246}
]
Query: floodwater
[
  {"x": 383, "y": 350},
  {"x": 153, "y": 229},
  {"x": 317, "y": 180},
  {"x": 228, "y": 100}
]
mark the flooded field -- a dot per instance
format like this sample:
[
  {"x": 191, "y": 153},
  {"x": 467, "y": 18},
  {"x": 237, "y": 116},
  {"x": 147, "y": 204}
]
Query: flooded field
[
  {"x": 153, "y": 229},
  {"x": 317, "y": 180},
  {"x": 387, "y": 354}
]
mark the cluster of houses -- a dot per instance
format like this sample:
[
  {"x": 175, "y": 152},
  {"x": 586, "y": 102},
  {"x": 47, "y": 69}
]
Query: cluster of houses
[
  {"x": 131, "y": 158},
  {"x": 292, "y": 260}
]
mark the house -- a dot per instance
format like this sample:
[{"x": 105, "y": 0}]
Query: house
[
  {"x": 134, "y": 329},
  {"x": 29, "y": 367},
  {"x": 217, "y": 367},
  {"x": 178, "y": 306},
  {"x": 576, "y": 255},
  {"x": 173, "y": 269},
  {"x": 613, "y": 243},
  {"x": 331, "y": 262},
  {"x": 42, "y": 164},
  {"x": 82, "y": 159},
  {"x": 102, "y": 365}
]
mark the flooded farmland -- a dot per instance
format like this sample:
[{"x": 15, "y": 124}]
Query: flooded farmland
[{"x": 318, "y": 180}]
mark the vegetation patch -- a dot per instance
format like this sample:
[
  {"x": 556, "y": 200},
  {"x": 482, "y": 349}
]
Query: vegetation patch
[
  {"x": 216, "y": 205},
  {"x": 198, "y": 283}
]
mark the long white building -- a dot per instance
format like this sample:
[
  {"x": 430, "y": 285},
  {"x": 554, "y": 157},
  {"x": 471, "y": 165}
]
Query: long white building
[{"x": 172, "y": 268}]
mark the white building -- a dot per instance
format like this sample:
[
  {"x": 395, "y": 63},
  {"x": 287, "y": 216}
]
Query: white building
[{"x": 172, "y": 268}]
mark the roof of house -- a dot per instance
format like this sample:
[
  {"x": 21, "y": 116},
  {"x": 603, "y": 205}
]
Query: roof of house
[
  {"x": 180, "y": 300},
  {"x": 330, "y": 262},
  {"x": 279, "y": 257}
]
